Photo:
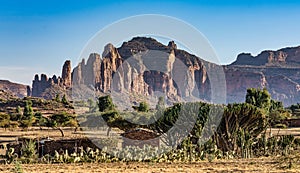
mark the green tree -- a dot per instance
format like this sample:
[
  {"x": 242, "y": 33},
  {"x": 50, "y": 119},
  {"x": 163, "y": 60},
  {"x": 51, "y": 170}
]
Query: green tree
[
  {"x": 56, "y": 121},
  {"x": 259, "y": 98},
  {"x": 18, "y": 115},
  {"x": 40, "y": 120},
  {"x": 64, "y": 100},
  {"x": 28, "y": 111},
  {"x": 277, "y": 113},
  {"x": 19, "y": 110},
  {"x": 295, "y": 109},
  {"x": 143, "y": 107},
  {"x": 105, "y": 103},
  {"x": 57, "y": 98},
  {"x": 28, "y": 115},
  {"x": 4, "y": 120},
  {"x": 91, "y": 104}
]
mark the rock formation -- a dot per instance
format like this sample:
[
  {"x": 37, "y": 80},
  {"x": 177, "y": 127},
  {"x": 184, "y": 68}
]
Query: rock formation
[
  {"x": 143, "y": 66},
  {"x": 42, "y": 86},
  {"x": 283, "y": 57},
  {"x": 281, "y": 71},
  {"x": 17, "y": 90},
  {"x": 66, "y": 74}
]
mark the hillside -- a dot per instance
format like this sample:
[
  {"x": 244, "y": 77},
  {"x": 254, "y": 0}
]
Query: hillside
[{"x": 16, "y": 89}]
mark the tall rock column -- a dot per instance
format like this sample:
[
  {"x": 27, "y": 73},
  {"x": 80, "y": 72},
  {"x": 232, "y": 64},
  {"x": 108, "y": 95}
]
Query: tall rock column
[
  {"x": 92, "y": 71},
  {"x": 66, "y": 74}
]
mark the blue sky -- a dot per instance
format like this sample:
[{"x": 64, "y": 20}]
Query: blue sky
[{"x": 38, "y": 36}]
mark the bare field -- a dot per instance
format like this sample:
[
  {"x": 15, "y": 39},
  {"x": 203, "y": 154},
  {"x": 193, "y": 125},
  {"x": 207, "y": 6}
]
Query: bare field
[{"x": 237, "y": 165}]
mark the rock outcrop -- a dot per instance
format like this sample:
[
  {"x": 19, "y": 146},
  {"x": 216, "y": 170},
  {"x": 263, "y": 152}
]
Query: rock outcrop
[
  {"x": 281, "y": 71},
  {"x": 41, "y": 87},
  {"x": 143, "y": 66},
  {"x": 66, "y": 74},
  {"x": 14, "y": 89},
  {"x": 283, "y": 57}
]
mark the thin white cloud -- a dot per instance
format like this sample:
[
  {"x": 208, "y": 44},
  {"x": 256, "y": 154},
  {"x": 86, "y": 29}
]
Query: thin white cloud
[{"x": 17, "y": 74}]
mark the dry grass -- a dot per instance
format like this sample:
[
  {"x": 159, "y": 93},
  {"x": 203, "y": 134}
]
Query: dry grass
[
  {"x": 238, "y": 165},
  {"x": 263, "y": 164}
]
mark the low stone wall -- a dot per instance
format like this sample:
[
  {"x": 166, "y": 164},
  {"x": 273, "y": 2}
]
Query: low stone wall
[
  {"x": 293, "y": 122},
  {"x": 49, "y": 147}
]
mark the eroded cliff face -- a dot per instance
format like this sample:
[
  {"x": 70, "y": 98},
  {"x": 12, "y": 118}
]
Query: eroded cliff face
[
  {"x": 283, "y": 57},
  {"x": 143, "y": 66},
  {"x": 238, "y": 81},
  {"x": 48, "y": 87},
  {"x": 14, "y": 89},
  {"x": 281, "y": 70}
]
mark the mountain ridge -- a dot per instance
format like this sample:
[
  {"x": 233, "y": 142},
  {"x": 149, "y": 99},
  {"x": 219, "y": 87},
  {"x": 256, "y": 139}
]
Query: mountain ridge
[{"x": 128, "y": 69}]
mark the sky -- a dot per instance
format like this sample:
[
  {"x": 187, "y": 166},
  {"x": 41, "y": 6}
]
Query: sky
[{"x": 38, "y": 36}]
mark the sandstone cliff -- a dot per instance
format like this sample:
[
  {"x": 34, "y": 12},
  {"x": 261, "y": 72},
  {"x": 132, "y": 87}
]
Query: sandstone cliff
[
  {"x": 280, "y": 72},
  {"x": 144, "y": 66},
  {"x": 283, "y": 57},
  {"x": 48, "y": 87}
]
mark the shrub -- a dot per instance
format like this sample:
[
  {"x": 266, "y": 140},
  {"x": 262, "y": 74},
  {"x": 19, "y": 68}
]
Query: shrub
[
  {"x": 144, "y": 107},
  {"x": 28, "y": 151},
  {"x": 64, "y": 100},
  {"x": 105, "y": 103}
]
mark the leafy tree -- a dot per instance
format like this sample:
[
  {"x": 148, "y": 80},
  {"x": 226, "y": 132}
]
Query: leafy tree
[
  {"x": 28, "y": 111},
  {"x": 28, "y": 115},
  {"x": 57, "y": 98},
  {"x": 276, "y": 105},
  {"x": 295, "y": 109},
  {"x": 59, "y": 120},
  {"x": 105, "y": 103},
  {"x": 62, "y": 119},
  {"x": 64, "y": 100},
  {"x": 40, "y": 120},
  {"x": 25, "y": 123},
  {"x": 259, "y": 98},
  {"x": 277, "y": 113}
]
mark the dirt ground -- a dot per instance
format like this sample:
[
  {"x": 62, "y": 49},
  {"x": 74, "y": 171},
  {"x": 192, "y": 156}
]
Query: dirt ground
[{"x": 237, "y": 165}]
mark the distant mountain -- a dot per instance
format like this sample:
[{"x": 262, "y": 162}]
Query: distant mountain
[
  {"x": 144, "y": 66},
  {"x": 286, "y": 57},
  {"x": 278, "y": 71},
  {"x": 14, "y": 89}
]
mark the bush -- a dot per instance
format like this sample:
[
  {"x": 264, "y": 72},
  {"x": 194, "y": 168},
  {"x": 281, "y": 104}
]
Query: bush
[
  {"x": 144, "y": 107},
  {"x": 105, "y": 103},
  {"x": 4, "y": 120},
  {"x": 64, "y": 100},
  {"x": 28, "y": 151}
]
